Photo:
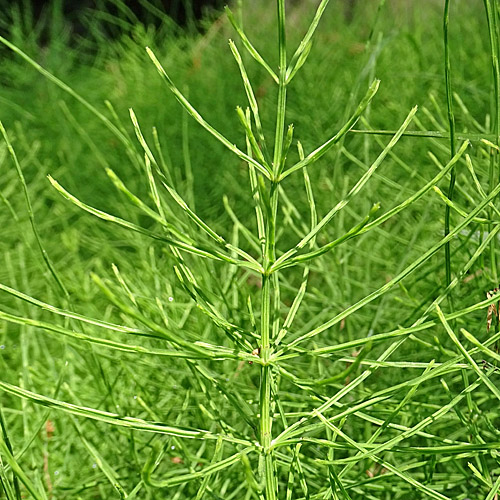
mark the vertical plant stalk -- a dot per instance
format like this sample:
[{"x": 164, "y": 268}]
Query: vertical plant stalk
[
  {"x": 491, "y": 16},
  {"x": 270, "y": 283},
  {"x": 451, "y": 121}
]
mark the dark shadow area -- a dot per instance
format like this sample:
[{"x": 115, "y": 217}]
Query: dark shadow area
[{"x": 40, "y": 17}]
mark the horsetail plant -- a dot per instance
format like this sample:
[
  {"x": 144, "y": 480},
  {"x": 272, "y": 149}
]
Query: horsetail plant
[
  {"x": 278, "y": 451},
  {"x": 275, "y": 172}
]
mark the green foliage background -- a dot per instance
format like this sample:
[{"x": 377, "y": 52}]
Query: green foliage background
[{"x": 399, "y": 43}]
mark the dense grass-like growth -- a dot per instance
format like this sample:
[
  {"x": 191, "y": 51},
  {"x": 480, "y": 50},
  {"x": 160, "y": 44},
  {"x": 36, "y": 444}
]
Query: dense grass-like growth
[{"x": 202, "y": 303}]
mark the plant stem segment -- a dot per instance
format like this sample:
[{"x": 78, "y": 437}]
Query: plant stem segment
[
  {"x": 491, "y": 16},
  {"x": 451, "y": 121},
  {"x": 270, "y": 283}
]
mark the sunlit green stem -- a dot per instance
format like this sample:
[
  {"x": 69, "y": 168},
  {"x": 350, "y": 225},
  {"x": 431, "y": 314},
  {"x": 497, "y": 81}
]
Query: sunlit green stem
[
  {"x": 270, "y": 284},
  {"x": 280, "y": 115},
  {"x": 451, "y": 121},
  {"x": 491, "y": 15}
]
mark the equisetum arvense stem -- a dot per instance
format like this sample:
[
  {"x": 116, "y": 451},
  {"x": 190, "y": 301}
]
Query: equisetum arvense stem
[
  {"x": 494, "y": 171},
  {"x": 270, "y": 284}
]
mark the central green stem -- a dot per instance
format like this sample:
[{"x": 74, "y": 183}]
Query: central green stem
[
  {"x": 269, "y": 289},
  {"x": 270, "y": 283}
]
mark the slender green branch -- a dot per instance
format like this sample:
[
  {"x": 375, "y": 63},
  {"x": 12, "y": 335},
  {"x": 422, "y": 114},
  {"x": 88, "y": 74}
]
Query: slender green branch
[
  {"x": 248, "y": 45},
  {"x": 192, "y": 111},
  {"x": 115, "y": 419},
  {"x": 492, "y": 12},
  {"x": 210, "y": 254},
  {"x": 300, "y": 55},
  {"x": 324, "y": 148},
  {"x": 451, "y": 121},
  {"x": 431, "y": 134},
  {"x": 400, "y": 276}
]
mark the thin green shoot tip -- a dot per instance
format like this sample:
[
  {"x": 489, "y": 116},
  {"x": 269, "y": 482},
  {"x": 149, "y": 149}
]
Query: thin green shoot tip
[
  {"x": 133, "y": 117},
  {"x": 152, "y": 56}
]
